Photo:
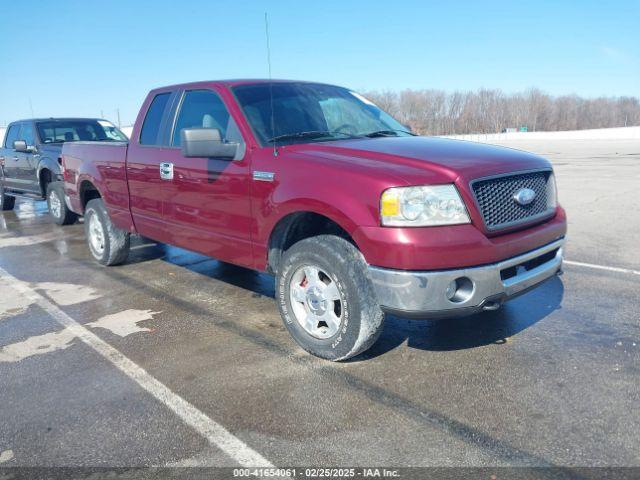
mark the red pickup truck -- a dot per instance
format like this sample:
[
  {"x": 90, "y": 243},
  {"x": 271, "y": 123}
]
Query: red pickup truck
[{"x": 353, "y": 214}]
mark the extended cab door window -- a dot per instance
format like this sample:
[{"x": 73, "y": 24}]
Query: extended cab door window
[{"x": 150, "y": 134}]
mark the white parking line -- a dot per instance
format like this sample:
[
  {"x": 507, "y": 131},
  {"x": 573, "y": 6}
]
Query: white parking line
[
  {"x": 602, "y": 267},
  {"x": 215, "y": 433}
]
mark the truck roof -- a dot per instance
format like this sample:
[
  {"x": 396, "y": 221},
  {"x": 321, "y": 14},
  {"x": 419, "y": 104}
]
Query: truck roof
[
  {"x": 60, "y": 119},
  {"x": 232, "y": 82}
]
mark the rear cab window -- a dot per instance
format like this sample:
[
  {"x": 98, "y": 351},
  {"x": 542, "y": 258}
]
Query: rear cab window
[{"x": 60, "y": 131}]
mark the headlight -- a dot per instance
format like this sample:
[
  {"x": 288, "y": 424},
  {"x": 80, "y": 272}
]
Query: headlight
[{"x": 422, "y": 206}]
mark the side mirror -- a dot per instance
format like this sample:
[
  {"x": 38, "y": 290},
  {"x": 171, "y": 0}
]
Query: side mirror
[
  {"x": 20, "y": 146},
  {"x": 206, "y": 142}
]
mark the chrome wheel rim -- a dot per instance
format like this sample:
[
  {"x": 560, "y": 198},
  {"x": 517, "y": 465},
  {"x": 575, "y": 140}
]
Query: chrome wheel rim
[
  {"x": 316, "y": 301},
  {"x": 55, "y": 205},
  {"x": 96, "y": 236}
]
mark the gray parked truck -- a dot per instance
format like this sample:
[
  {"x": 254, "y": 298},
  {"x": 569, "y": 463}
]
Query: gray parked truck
[{"x": 30, "y": 159}]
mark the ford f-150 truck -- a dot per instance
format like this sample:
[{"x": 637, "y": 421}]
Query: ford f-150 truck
[
  {"x": 30, "y": 159},
  {"x": 353, "y": 214}
]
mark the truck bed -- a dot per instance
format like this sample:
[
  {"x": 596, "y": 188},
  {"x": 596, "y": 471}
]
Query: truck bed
[{"x": 102, "y": 164}]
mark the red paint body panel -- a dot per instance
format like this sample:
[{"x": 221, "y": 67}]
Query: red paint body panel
[
  {"x": 458, "y": 246},
  {"x": 216, "y": 208},
  {"x": 105, "y": 171}
]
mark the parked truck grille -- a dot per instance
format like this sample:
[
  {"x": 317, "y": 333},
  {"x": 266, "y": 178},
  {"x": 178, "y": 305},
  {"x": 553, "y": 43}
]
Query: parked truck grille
[{"x": 499, "y": 208}]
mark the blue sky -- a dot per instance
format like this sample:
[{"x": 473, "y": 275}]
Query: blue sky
[{"x": 69, "y": 57}]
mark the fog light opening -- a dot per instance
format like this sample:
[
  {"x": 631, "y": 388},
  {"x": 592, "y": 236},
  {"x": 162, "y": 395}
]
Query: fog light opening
[{"x": 460, "y": 290}]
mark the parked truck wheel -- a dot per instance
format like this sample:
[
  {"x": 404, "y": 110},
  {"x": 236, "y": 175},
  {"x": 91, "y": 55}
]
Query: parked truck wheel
[
  {"x": 108, "y": 245},
  {"x": 7, "y": 202},
  {"x": 57, "y": 206},
  {"x": 326, "y": 299}
]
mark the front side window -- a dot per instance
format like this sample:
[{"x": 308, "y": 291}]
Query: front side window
[
  {"x": 306, "y": 112},
  {"x": 204, "y": 109},
  {"x": 151, "y": 125},
  {"x": 60, "y": 131},
  {"x": 27, "y": 134},
  {"x": 12, "y": 135}
]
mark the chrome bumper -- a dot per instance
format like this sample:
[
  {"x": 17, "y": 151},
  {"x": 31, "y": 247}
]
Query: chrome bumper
[{"x": 445, "y": 293}]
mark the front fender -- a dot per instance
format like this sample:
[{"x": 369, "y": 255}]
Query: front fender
[{"x": 52, "y": 164}]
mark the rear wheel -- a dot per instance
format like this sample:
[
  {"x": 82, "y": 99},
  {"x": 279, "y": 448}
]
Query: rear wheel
[
  {"x": 108, "y": 245},
  {"x": 7, "y": 202},
  {"x": 57, "y": 206},
  {"x": 326, "y": 299}
]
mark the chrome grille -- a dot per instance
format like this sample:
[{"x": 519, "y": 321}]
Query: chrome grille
[{"x": 495, "y": 198}]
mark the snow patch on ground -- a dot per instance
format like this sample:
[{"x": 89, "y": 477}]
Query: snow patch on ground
[
  {"x": 37, "y": 345},
  {"x": 124, "y": 323},
  {"x": 11, "y": 303},
  {"x": 6, "y": 456},
  {"x": 67, "y": 293}
]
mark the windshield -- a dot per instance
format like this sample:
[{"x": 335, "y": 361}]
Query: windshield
[
  {"x": 307, "y": 112},
  {"x": 60, "y": 131}
]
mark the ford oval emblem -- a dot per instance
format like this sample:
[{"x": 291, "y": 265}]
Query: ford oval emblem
[{"x": 524, "y": 196}]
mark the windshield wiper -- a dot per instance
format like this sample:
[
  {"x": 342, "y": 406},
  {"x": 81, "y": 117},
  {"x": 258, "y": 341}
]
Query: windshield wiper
[
  {"x": 388, "y": 133},
  {"x": 310, "y": 134}
]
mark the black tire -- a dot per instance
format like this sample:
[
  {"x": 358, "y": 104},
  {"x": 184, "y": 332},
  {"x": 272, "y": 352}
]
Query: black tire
[
  {"x": 361, "y": 318},
  {"x": 59, "y": 212},
  {"x": 7, "y": 202},
  {"x": 115, "y": 242}
]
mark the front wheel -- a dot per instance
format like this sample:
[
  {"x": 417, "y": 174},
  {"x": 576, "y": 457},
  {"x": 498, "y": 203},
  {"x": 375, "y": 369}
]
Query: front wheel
[
  {"x": 108, "y": 244},
  {"x": 326, "y": 299},
  {"x": 57, "y": 206}
]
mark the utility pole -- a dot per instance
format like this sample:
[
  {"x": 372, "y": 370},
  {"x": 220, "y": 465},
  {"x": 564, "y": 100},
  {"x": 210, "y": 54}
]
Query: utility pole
[
  {"x": 31, "y": 108},
  {"x": 118, "y": 112},
  {"x": 101, "y": 114}
]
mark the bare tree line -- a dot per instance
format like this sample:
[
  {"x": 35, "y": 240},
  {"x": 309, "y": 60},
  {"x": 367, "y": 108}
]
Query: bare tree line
[{"x": 436, "y": 112}]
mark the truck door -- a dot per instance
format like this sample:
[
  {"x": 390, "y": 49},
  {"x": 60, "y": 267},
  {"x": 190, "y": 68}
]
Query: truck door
[
  {"x": 9, "y": 158},
  {"x": 147, "y": 190},
  {"x": 27, "y": 165},
  {"x": 207, "y": 207}
]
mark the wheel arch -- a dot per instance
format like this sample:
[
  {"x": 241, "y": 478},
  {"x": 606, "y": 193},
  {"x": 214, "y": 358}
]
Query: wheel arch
[
  {"x": 48, "y": 171},
  {"x": 87, "y": 191},
  {"x": 299, "y": 225}
]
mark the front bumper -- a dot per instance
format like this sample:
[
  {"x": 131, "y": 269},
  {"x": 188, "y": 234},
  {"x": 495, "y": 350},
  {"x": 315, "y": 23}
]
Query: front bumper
[{"x": 445, "y": 293}]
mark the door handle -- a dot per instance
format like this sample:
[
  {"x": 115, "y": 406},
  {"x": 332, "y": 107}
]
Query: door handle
[{"x": 166, "y": 171}]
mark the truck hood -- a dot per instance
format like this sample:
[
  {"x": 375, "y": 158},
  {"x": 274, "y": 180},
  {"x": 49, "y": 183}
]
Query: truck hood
[{"x": 426, "y": 159}]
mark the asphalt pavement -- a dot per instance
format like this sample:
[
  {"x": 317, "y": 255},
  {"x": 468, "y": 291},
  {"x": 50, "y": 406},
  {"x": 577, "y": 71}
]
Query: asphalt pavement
[{"x": 174, "y": 359}]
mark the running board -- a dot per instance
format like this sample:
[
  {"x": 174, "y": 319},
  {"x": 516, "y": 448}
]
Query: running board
[{"x": 30, "y": 196}]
